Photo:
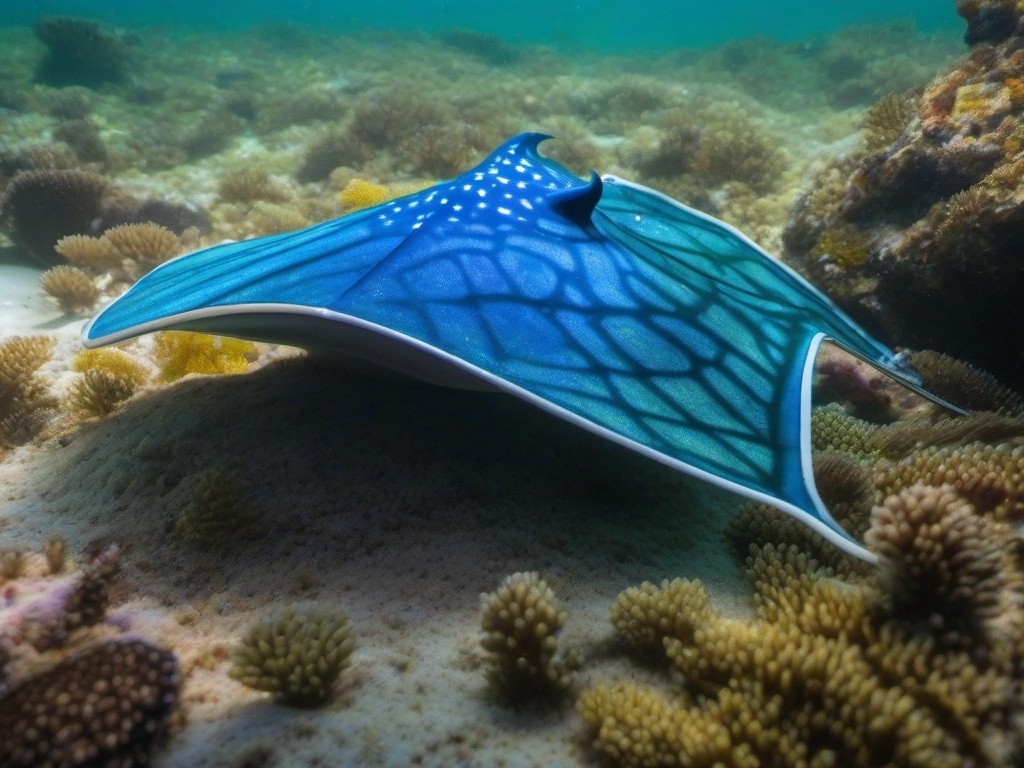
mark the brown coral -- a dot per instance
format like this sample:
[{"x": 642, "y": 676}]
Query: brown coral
[
  {"x": 946, "y": 572},
  {"x": 74, "y": 290},
  {"x": 87, "y": 251},
  {"x": 25, "y": 401},
  {"x": 41, "y": 207},
  {"x": 965, "y": 385},
  {"x": 104, "y": 706},
  {"x": 521, "y": 621}
]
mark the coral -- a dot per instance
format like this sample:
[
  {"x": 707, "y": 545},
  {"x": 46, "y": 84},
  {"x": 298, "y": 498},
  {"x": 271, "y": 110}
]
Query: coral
[
  {"x": 521, "y": 621},
  {"x": 927, "y": 226},
  {"x": 441, "y": 150},
  {"x": 145, "y": 245},
  {"x": 73, "y": 288},
  {"x": 84, "y": 140},
  {"x": 107, "y": 705},
  {"x": 845, "y": 486},
  {"x": 989, "y": 21},
  {"x": 644, "y": 616},
  {"x": 818, "y": 677},
  {"x": 714, "y": 149},
  {"x": 360, "y": 193},
  {"x": 250, "y": 185},
  {"x": 947, "y": 572},
  {"x": 390, "y": 120},
  {"x": 69, "y": 104},
  {"x": 41, "y": 207},
  {"x": 330, "y": 151},
  {"x": 112, "y": 361},
  {"x": 990, "y": 477},
  {"x": 179, "y": 353},
  {"x": 220, "y": 510},
  {"x": 964, "y": 385},
  {"x": 297, "y": 655},
  {"x": 86, "y": 251},
  {"x": 886, "y": 120},
  {"x": 270, "y": 219},
  {"x": 41, "y": 613},
  {"x": 99, "y": 393},
  {"x": 56, "y": 554},
  {"x": 80, "y": 52},
  {"x": 832, "y": 429},
  {"x": 211, "y": 133},
  {"x": 25, "y": 402},
  {"x": 176, "y": 217},
  {"x": 896, "y": 440}
]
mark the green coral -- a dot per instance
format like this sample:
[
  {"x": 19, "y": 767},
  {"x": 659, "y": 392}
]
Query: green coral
[{"x": 297, "y": 655}]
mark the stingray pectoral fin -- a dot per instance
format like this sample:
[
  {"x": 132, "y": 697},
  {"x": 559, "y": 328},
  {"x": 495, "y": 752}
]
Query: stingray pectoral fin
[{"x": 298, "y": 269}]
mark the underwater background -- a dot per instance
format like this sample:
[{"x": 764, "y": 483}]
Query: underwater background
[{"x": 259, "y": 559}]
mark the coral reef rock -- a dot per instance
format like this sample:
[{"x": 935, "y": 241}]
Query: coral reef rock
[{"x": 917, "y": 232}]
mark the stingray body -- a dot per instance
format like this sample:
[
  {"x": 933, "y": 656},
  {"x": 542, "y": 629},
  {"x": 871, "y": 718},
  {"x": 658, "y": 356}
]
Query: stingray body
[{"x": 602, "y": 302}]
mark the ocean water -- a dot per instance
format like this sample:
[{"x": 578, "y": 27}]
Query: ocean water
[
  {"x": 237, "y": 479},
  {"x": 606, "y": 25}
]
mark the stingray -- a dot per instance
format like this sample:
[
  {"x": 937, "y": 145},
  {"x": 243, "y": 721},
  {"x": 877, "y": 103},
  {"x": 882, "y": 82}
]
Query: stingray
[{"x": 600, "y": 301}]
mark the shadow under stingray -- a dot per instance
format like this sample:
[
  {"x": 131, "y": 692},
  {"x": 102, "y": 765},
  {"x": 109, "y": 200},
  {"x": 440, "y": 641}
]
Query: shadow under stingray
[{"x": 350, "y": 478}]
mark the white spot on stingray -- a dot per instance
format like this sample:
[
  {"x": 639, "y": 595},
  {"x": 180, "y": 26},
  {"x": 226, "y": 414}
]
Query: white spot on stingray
[
  {"x": 505, "y": 211},
  {"x": 536, "y": 177},
  {"x": 453, "y": 219},
  {"x": 467, "y": 187},
  {"x": 417, "y": 225},
  {"x": 520, "y": 169},
  {"x": 444, "y": 201},
  {"x": 521, "y": 185},
  {"x": 482, "y": 192},
  {"x": 526, "y": 204},
  {"x": 456, "y": 207},
  {"x": 481, "y": 205},
  {"x": 502, "y": 179}
]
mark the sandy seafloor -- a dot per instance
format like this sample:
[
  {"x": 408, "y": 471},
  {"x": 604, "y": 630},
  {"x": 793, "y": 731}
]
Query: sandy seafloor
[{"x": 399, "y": 503}]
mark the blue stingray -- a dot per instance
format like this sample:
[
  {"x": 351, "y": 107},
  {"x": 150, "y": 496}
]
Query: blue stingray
[{"x": 601, "y": 301}]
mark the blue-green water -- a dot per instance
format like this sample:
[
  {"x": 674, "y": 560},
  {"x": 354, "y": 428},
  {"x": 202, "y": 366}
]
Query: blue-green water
[{"x": 607, "y": 25}]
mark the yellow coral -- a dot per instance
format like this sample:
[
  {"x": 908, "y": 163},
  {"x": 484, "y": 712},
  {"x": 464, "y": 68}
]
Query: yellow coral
[
  {"x": 179, "y": 353},
  {"x": 112, "y": 361},
  {"x": 360, "y": 193},
  {"x": 644, "y": 616},
  {"x": 98, "y": 392},
  {"x": 846, "y": 245},
  {"x": 521, "y": 620},
  {"x": 297, "y": 655}
]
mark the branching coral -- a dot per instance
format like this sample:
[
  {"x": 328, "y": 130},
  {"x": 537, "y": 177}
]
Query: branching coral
[
  {"x": 818, "y": 678},
  {"x": 644, "y": 616},
  {"x": 521, "y": 621},
  {"x": 947, "y": 572},
  {"x": 142, "y": 246},
  {"x": 179, "y": 353},
  {"x": 832, "y": 429},
  {"x": 90, "y": 252},
  {"x": 73, "y": 288},
  {"x": 25, "y": 401},
  {"x": 41, "y": 207},
  {"x": 298, "y": 655},
  {"x": 104, "y": 706}
]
